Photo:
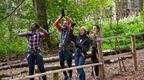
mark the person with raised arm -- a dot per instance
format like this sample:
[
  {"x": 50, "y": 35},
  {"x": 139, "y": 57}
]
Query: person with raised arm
[
  {"x": 63, "y": 24},
  {"x": 34, "y": 55}
]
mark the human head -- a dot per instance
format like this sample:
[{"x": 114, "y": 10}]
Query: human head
[
  {"x": 65, "y": 23},
  {"x": 34, "y": 26},
  {"x": 83, "y": 31},
  {"x": 96, "y": 28}
]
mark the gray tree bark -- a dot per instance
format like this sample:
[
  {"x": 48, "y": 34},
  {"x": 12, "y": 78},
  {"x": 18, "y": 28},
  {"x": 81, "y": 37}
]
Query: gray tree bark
[
  {"x": 141, "y": 3},
  {"x": 40, "y": 8}
]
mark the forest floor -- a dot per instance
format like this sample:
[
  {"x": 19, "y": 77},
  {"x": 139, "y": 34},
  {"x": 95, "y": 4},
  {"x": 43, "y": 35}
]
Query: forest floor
[{"x": 112, "y": 71}]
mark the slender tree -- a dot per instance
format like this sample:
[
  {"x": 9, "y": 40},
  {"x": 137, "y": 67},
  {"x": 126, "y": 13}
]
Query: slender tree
[
  {"x": 40, "y": 8},
  {"x": 141, "y": 3}
]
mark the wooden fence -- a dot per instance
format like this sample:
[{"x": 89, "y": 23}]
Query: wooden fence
[{"x": 100, "y": 64}]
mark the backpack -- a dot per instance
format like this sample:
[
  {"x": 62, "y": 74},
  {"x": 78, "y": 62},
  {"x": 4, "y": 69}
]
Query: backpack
[{"x": 66, "y": 41}]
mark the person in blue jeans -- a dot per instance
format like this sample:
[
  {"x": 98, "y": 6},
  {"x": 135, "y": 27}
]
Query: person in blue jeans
[
  {"x": 82, "y": 43},
  {"x": 34, "y": 56},
  {"x": 66, "y": 45}
]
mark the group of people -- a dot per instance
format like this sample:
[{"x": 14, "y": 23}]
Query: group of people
[
  {"x": 69, "y": 44},
  {"x": 79, "y": 45}
]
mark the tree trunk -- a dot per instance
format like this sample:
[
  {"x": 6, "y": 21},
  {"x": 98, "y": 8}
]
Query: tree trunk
[
  {"x": 141, "y": 3},
  {"x": 40, "y": 8},
  {"x": 9, "y": 20}
]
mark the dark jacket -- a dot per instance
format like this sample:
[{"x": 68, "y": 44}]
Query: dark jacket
[
  {"x": 66, "y": 42},
  {"x": 82, "y": 43}
]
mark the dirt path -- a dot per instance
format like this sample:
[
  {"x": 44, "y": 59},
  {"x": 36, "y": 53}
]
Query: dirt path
[{"x": 112, "y": 71}]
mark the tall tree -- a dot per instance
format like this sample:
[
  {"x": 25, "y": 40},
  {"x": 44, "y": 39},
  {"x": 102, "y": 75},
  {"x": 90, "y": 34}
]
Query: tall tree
[
  {"x": 141, "y": 3},
  {"x": 40, "y": 7}
]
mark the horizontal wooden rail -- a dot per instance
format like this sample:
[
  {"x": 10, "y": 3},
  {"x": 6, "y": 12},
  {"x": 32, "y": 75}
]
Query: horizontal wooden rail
[
  {"x": 120, "y": 36},
  {"x": 83, "y": 66},
  {"x": 57, "y": 71}
]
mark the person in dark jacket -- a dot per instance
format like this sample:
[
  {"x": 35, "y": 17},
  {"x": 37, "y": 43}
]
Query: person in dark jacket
[
  {"x": 82, "y": 43},
  {"x": 95, "y": 57}
]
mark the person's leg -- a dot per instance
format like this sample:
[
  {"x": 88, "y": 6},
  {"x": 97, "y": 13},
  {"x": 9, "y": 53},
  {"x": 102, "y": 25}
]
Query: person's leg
[
  {"x": 76, "y": 59},
  {"x": 95, "y": 60},
  {"x": 62, "y": 62},
  {"x": 31, "y": 63},
  {"x": 96, "y": 67},
  {"x": 69, "y": 63},
  {"x": 97, "y": 70},
  {"x": 40, "y": 64},
  {"x": 81, "y": 71},
  {"x": 93, "y": 68}
]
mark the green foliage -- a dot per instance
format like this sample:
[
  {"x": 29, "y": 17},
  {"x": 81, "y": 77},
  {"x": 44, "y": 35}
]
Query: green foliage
[
  {"x": 124, "y": 27},
  {"x": 84, "y": 13},
  {"x": 9, "y": 46}
]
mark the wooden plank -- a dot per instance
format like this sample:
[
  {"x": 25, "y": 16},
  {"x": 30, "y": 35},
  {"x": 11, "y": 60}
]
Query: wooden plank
[
  {"x": 56, "y": 58},
  {"x": 57, "y": 71},
  {"x": 133, "y": 41},
  {"x": 55, "y": 67},
  {"x": 55, "y": 76},
  {"x": 18, "y": 64},
  {"x": 101, "y": 68},
  {"x": 119, "y": 36}
]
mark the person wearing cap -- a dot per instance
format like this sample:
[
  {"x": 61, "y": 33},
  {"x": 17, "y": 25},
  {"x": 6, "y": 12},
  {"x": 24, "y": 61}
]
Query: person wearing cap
[
  {"x": 82, "y": 43},
  {"x": 34, "y": 56},
  {"x": 64, "y": 25},
  {"x": 95, "y": 57}
]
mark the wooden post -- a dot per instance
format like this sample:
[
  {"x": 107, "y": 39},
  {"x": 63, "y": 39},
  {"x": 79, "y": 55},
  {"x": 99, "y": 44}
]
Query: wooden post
[
  {"x": 57, "y": 71},
  {"x": 119, "y": 64},
  {"x": 101, "y": 67},
  {"x": 55, "y": 76},
  {"x": 133, "y": 41}
]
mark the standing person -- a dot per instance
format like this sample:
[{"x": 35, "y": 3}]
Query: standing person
[
  {"x": 94, "y": 52},
  {"x": 82, "y": 44},
  {"x": 66, "y": 49},
  {"x": 34, "y": 54}
]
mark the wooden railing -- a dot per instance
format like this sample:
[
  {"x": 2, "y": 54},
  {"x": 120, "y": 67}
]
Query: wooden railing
[
  {"x": 100, "y": 64},
  {"x": 55, "y": 72}
]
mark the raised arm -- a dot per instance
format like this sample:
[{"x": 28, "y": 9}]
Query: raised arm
[
  {"x": 43, "y": 31},
  {"x": 24, "y": 34},
  {"x": 58, "y": 24}
]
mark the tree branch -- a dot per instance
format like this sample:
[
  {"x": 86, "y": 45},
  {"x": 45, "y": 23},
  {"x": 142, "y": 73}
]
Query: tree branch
[{"x": 12, "y": 11}]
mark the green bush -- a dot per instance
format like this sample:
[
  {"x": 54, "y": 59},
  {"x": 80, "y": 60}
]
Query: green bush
[{"x": 17, "y": 45}]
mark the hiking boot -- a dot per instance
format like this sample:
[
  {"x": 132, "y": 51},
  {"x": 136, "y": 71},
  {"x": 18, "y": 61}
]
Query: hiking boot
[
  {"x": 97, "y": 78},
  {"x": 69, "y": 78},
  {"x": 66, "y": 78}
]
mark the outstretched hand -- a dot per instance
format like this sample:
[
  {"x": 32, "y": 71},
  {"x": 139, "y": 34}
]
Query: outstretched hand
[{"x": 73, "y": 25}]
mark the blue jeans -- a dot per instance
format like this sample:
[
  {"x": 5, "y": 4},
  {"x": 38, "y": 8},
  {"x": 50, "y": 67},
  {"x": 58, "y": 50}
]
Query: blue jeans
[
  {"x": 66, "y": 55},
  {"x": 33, "y": 56},
  {"x": 80, "y": 60}
]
